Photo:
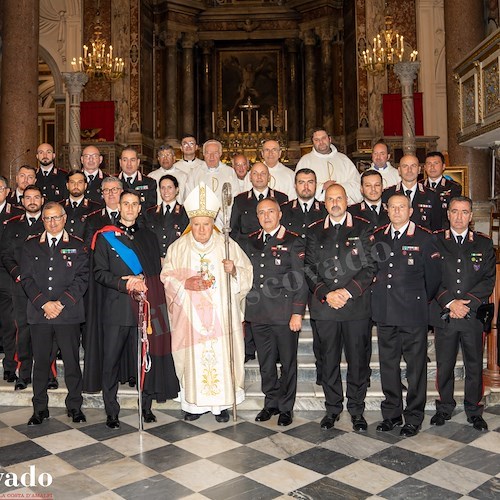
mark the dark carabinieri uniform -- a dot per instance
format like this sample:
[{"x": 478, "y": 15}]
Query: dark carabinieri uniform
[
  {"x": 95, "y": 221},
  {"x": 426, "y": 208},
  {"x": 336, "y": 258},
  {"x": 7, "y": 325},
  {"x": 77, "y": 216},
  {"x": 278, "y": 291},
  {"x": 16, "y": 233},
  {"x": 365, "y": 211},
  {"x": 244, "y": 214},
  {"x": 296, "y": 220},
  {"x": 93, "y": 191},
  {"x": 145, "y": 186},
  {"x": 468, "y": 273},
  {"x": 47, "y": 275},
  {"x": 167, "y": 227},
  {"x": 53, "y": 185},
  {"x": 408, "y": 275},
  {"x": 446, "y": 190}
]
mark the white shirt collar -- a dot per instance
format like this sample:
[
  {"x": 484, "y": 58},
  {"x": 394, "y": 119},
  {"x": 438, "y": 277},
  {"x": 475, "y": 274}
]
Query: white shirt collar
[
  {"x": 2, "y": 206},
  {"x": 257, "y": 194},
  {"x": 401, "y": 230},
  {"x": 57, "y": 236},
  {"x": 341, "y": 222},
  {"x": 463, "y": 235},
  {"x": 309, "y": 203},
  {"x": 171, "y": 205},
  {"x": 273, "y": 232}
]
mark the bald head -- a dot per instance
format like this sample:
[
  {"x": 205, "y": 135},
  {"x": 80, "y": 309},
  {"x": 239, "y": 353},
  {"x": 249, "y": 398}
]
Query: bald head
[{"x": 259, "y": 176}]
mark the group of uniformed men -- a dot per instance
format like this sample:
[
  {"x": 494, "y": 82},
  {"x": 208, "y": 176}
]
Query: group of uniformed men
[{"x": 355, "y": 249}]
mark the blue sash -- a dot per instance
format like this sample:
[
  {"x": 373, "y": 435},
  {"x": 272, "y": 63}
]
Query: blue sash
[{"x": 126, "y": 254}]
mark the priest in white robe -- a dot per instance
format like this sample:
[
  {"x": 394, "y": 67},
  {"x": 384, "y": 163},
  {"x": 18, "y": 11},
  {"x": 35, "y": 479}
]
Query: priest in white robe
[{"x": 196, "y": 287}]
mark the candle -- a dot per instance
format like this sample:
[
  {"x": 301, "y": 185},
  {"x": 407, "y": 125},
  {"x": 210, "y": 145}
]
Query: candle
[
  {"x": 227, "y": 122},
  {"x": 213, "y": 122},
  {"x": 257, "y": 120},
  {"x": 286, "y": 120},
  {"x": 271, "y": 120},
  {"x": 241, "y": 120}
]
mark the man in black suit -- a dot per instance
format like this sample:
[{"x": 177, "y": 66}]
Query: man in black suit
[
  {"x": 277, "y": 257},
  {"x": 468, "y": 276},
  {"x": 424, "y": 201},
  {"x": 52, "y": 180},
  {"x": 445, "y": 188},
  {"x": 132, "y": 178},
  {"x": 54, "y": 276},
  {"x": 76, "y": 206},
  {"x": 112, "y": 188},
  {"x": 339, "y": 269},
  {"x": 371, "y": 208},
  {"x": 168, "y": 219},
  {"x": 91, "y": 162},
  {"x": 126, "y": 261},
  {"x": 17, "y": 230},
  {"x": 408, "y": 270},
  {"x": 7, "y": 326},
  {"x": 26, "y": 176},
  {"x": 244, "y": 219}
]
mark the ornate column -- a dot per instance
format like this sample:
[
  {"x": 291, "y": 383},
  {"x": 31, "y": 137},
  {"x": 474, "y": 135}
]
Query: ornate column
[
  {"x": 326, "y": 36},
  {"x": 310, "y": 77},
  {"x": 206, "y": 85},
  {"x": 459, "y": 42},
  {"x": 171, "y": 38},
  {"x": 293, "y": 90},
  {"x": 19, "y": 100},
  {"x": 406, "y": 73},
  {"x": 188, "y": 78},
  {"x": 74, "y": 85}
]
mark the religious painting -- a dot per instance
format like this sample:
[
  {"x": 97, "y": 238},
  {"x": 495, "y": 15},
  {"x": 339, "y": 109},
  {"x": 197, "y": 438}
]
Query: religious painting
[
  {"x": 249, "y": 76},
  {"x": 460, "y": 175}
]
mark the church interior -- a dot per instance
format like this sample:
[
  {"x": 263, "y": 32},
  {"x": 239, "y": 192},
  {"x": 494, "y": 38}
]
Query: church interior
[{"x": 242, "y": 72}]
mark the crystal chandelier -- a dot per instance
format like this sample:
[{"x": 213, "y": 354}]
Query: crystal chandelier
[
  {"x": 98, "y": 60},
  {"x": 388, "y": 49}
]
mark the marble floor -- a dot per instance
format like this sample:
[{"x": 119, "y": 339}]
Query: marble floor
[{"x": 245, "y": 460}]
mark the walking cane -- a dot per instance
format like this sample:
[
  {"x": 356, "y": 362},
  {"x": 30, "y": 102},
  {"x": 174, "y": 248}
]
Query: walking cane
[{"x": 226, "y": 203}]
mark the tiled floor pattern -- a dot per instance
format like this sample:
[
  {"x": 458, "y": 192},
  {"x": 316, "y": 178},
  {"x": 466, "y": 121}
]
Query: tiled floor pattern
[{"x": 246, "y": 460}]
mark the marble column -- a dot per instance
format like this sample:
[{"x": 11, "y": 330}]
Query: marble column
[
  {"x": 206, "y": 93},
  {"x": 459, "y": 41},
  {"x": 188, "y": 124},
  {"x": 172, "y": 90},
  {"x": 19, "y": 99},
  {"x": 293, "y": 90},
  {"x": 74, "y": 85},
  {"x": 326, "y": 36},
  {"x": 310, "y": 82},
  {"x": 406, "y": 73}
]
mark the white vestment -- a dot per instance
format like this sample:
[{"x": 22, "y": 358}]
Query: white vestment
[
  {"x": 282, "y": 179},
  {"x": 188, "y": 166},
  {"x": 333, "y": 166},
  {"x": 175, "y": 172},
  {"x": 390, "y": 175},
  {"x": 199, "y": 322}
]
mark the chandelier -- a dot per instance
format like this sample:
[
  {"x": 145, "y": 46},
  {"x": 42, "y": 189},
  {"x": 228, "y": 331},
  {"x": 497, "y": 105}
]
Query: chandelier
[
  {"x": 98, "y": 60},
  {"x": 388, "y": 49}
]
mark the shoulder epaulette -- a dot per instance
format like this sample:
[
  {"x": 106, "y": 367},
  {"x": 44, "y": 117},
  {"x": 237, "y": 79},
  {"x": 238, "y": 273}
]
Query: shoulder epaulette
[
  {"x": 94, "y": 212},
  {"x": 438, "y": 231},
  {"x": 75, "y": 237},
  {"x": 321, "y": 221},
  {"x": 32, "y": 236},
  {"x": 360, "y": 218},
  {"x": 292, "y": 232},
  {"x": 424, "y": 229},
  {"x": 254, "y": 233},
  {"x": 16, "y": 217},
  {"x": 381, "y": 228},
  {"x": 481, "y": 234}
]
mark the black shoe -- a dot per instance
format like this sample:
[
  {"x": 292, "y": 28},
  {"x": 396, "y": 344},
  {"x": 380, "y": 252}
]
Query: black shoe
[
  {"x": 77, "y": 415},
  {"x": 53, "y": 384},
  {"x": 389, "y": 423},
  {"x": 359, "y": 423},
  {"x": 223, "y": 416},
  {"x": 131, "y": 382},
  {"x": 112, "y": 422},
  {"x": 409, "y": 430},
  {"x": 265, "y": 414},
  {"x": 285, "y": 418},
  {"x": 21, "y": 384},
  {"x": 38, "y": 417},
  {"x": 478, "y": 422},
  {"x": 148, "y": 416},
  {"x": 192, "y": 416},
  {"x": 10, "y": 377},
  {"x": 328, "y": 421},
  {"x": 249, "y": 357},
  {"x": 440, "y": 418}
]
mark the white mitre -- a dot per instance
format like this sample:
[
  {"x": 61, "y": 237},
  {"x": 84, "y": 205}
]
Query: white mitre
[{"x": 201, "y": 202}]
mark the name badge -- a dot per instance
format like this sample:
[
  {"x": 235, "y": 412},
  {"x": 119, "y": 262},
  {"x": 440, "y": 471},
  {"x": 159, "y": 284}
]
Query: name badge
[{"x": 277, "y": 262}]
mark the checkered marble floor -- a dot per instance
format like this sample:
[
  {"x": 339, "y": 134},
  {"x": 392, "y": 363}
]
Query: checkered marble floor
[{"x": 247, "y": 460}]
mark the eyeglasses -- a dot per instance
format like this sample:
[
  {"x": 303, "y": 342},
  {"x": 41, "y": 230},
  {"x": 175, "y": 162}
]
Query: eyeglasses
[
  {"x": 3, "y": 188},
  {"x": 54, "y": 218},
  {"x": 188, "y": 143},
  {"x": 165, "y": 155},
  {"x": 88, "y": 157},
  {"x": 272, "y": 150},
  {"x": 110, "y": 190}
]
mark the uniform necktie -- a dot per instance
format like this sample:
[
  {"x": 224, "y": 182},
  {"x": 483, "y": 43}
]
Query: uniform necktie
[
  {"x": 75, "y": 204},
  {"x": 305, "y": 208},
  {"x": 32, "y": 220},
  {"x": 374, "y": 208},
  {"x": 460, "y": 239},
  {"x": 261, "y": 197},
  {"x": 433, "y": 185},
  {"x": 45, "y": 173},
  {"x": 396, "y": 238},
  {"x": 129, "y": 180},
  {"x": 114, "y": 216},
  {"x": 267, "y": 237},
  {"x": 167, "y": 209},
  {"x": 52, "y": 247},
  {"x": 408, "y": 193},
  {"x": 90, "y": 178}
]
